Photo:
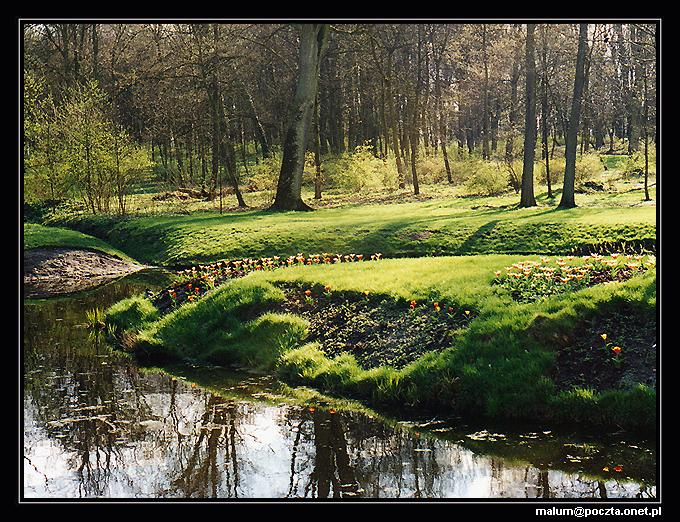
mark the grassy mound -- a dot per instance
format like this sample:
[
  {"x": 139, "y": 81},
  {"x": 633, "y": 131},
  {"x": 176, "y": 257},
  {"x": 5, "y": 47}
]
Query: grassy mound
[
  {"x": 39, "y": 236},
  {"x": 502, "y": 365},
  {"x": 432, "y": 227}
]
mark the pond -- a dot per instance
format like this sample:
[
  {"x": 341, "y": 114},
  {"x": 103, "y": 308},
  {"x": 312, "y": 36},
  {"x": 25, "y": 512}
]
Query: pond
[{"x": 96, "y": 425}]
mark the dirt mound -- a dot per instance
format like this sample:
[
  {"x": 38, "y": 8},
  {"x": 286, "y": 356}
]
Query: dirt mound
[{"x": 54, "y": 271}]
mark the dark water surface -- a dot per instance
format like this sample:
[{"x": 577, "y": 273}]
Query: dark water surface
[{"x": 96, "y": 425}]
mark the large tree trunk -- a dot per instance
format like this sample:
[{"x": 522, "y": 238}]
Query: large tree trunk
[
  {"x": 571, "y": 138},
  {"x": 289, "y": 188},
  {"x": 527, "y": 198}
]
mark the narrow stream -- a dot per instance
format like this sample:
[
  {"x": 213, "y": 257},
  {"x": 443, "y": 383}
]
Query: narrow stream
[{"x": 97, "y": 425}]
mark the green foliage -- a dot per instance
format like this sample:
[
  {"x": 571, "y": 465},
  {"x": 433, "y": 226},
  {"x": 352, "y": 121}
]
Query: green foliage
[
  {"x": 486, "y": 178},
  {"x": 431, "y": 169},
  {"x": 588, "y": 167},
  {"x": 635, "y": 163},
  {"x": 534, "y": 280},
  {"x": 75, "y": 150},
  {"x": 264, "y": 176},
  {"x": 359, "y": 170},
  {"x": 214, "y": 328}
]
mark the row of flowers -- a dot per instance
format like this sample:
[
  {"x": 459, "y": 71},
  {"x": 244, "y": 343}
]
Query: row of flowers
[
  {"x": 534, "y": 280},
  {"x": 197, "y": 280}
]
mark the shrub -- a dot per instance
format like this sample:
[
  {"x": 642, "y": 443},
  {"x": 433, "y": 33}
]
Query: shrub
[
  {"x": 588, "y": 166},
  {"x": 265, "y": 175},
  {"x": 487, "y": 178},
  {"x": 431, "y": 169},
  {"x": 360, "y": 169},
  {"x": 556, "y": 171},
  {"x": 635, "y": 163}
]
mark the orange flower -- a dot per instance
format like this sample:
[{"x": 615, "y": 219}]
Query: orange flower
[
  {"x": 616, "y": 350},
  {"x": 327, "y": 288},
  {"x": 413, "y": 305},
  {"x": 308, "y": 293},
  {"x": 436, "y": 306},
  {"x": 331, "y": 411},
  {"x": 450, "y": 309},
  {"x": 312, "y": 409}
]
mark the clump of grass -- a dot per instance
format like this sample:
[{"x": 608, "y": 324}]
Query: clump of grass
[
  {"x": 130, "y": 314},
  {"x": 95, "y": 318}
]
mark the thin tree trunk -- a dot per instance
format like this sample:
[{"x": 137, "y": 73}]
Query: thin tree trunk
[
  {"x": 317, "y": 151},
  {"x": 545, "y": 129}
]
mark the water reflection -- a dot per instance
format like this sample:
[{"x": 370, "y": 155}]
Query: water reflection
[{"x": 97, "y": 426}]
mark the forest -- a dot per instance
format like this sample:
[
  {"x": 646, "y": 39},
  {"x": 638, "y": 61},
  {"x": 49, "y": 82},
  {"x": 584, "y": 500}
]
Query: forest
[
  {"x": 207, "y": 108},
  {"x": 323, "y": 259}
]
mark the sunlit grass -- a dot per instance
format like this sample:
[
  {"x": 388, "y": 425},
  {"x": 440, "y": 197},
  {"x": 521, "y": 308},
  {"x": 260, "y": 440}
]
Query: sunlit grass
[{"x": 438, "y": 226}]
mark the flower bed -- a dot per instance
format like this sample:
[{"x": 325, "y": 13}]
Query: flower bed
[
  {"x": 529, "y": 281},
  {"x": 194, "y": 282},
  {"x": 375, "y": 330}
]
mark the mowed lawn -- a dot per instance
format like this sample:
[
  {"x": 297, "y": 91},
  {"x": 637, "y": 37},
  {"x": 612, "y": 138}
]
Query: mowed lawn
[{"x": 460, "y": 226}]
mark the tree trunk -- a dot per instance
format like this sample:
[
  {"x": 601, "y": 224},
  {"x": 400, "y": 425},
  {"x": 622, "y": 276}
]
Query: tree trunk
[
  {"x": 545, "y": 128},
  {"x": 527, "y": 198},
  {"x": 289, "y": 189},
  {"x": 317, "y": 152},
  {"x": 571, "y": 138}
]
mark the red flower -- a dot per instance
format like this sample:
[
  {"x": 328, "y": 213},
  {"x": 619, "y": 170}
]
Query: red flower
[{"x": 618, "y": 469}]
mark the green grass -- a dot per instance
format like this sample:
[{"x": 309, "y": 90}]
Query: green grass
[
  {"x": 499, "y": 367},
  {"x": 39, "y": 236},
  {"x": 456, "y": 226}
]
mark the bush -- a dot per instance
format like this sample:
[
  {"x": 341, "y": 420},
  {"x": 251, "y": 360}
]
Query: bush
[
  {"x": 556, "y": 171},
  {"x": 358, "y": 170},
  {"x": 487, "y": 178},
  {"x": 588, "y": 167},
  {"x": 635, "y": 164},
  {"x": 431, "y": 169},
  {"x": 265, "y": 175}
]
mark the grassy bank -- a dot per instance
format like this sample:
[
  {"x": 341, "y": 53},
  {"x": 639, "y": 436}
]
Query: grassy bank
[
  {"x": 460, "y": 226},
  {"x": 39, "y": 236},
  {"x": 502, "y": 365}
]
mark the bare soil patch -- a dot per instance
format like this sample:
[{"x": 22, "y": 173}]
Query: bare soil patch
[{"x": 54, "y": 271}]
